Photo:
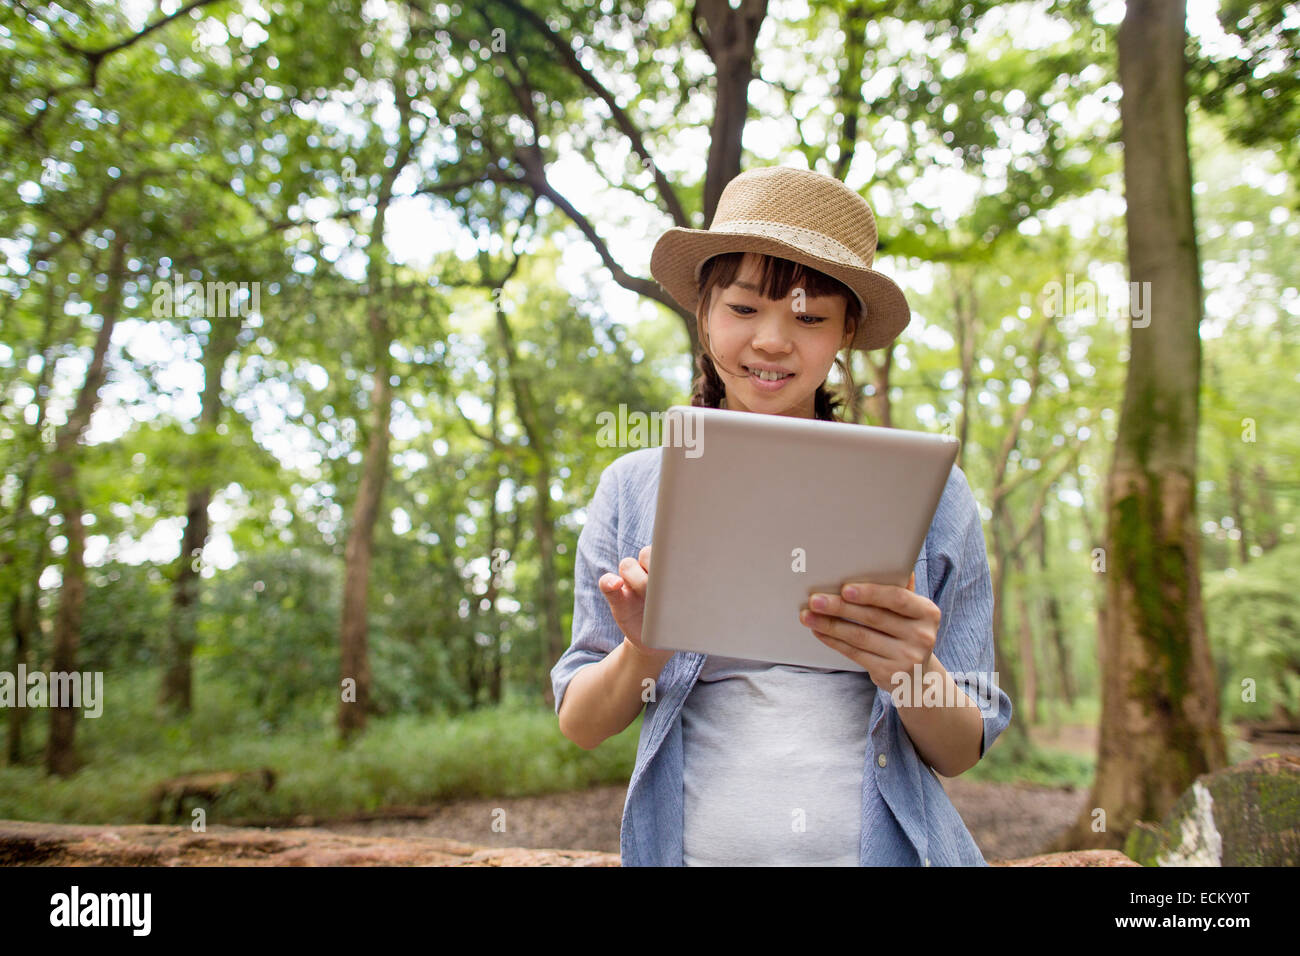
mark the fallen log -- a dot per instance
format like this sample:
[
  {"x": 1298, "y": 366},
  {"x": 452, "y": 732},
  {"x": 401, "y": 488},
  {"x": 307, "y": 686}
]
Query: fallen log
[
  {"x": 25, "y": 843},
  {"x": 55, "y": 844},
  {"x": 169, "y": 797}
]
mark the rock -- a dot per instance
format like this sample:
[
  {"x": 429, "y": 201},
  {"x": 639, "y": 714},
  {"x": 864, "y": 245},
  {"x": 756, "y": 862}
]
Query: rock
[{"x": 1244, "y": 815}]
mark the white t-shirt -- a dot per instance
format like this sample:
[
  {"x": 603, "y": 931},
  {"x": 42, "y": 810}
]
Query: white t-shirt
[{"x": 773, "y": 763}]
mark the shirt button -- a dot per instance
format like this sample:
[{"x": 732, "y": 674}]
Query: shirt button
[
  {"x": 881, "y": 760},
  {"x": 927, "y": 861}
]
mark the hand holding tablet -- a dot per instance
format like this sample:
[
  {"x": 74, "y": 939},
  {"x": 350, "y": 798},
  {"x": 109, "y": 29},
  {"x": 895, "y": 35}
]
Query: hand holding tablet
[
  {"x": 884, "y": 628},
  {"x": 768, "y": 510}
]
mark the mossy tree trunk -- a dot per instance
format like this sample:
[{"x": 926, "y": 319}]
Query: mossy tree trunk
[{"x": 1160, "y": 707}]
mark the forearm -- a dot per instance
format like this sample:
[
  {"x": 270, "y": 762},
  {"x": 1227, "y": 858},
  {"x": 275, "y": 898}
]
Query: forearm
[
  {"x": 947, "y": 734},
  {"x": 603, "y": 698}
]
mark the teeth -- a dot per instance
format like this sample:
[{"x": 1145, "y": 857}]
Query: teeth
[{"x": 769, "y": 376}]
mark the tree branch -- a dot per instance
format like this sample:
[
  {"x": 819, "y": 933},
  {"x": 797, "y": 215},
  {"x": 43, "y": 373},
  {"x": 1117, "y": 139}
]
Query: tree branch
[{"x": 619, "y": 115}]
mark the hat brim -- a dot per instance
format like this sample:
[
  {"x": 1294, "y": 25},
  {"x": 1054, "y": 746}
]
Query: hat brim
[{"x": 679, "y": 254}]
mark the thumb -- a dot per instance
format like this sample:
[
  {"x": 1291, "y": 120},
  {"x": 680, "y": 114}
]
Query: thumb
[{"x": 911, "y": 584}]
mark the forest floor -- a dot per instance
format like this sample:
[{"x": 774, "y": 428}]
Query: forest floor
[{"x": 1007, "y": 820}]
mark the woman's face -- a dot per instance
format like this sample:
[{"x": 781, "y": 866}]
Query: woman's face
[{"x": 746, "y": 330}]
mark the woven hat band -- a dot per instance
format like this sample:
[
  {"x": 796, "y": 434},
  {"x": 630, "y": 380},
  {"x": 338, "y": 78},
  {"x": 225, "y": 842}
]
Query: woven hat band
[{"x": 817, "y": 243}]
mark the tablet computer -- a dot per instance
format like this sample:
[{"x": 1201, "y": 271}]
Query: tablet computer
[{"x": 757, "y": 512}]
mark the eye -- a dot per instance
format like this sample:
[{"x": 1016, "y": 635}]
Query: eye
[{"x": 810, "y": 319}]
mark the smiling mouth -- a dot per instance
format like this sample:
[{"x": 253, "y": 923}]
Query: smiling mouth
[{"x": 754, "y": 374}]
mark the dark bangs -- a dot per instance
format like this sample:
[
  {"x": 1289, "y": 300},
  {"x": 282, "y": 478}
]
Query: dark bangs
[{"x": 778, "y": 277}]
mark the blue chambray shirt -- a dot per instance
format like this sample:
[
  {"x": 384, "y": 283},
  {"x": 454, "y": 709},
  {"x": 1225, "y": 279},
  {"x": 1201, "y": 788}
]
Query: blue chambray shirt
[{"x": 907, "y": 818}]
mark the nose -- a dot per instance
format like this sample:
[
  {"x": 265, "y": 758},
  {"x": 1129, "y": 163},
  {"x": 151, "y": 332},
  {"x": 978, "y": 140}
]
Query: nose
[{"x": 770, "y": 334}]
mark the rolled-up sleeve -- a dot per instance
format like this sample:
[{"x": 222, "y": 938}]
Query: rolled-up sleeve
[
  {"x": 963, "y": 591},
  {"x": 595, "y": 632}
]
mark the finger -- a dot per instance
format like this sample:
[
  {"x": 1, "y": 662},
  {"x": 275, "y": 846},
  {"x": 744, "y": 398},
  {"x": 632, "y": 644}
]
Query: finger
[
  {"x": 633, "y": 574},
  {"x": 868, "y": 615},
  {"x": 854, "y": 653},
  {"x": 862, "y": 637},
  {"x": 644, "y": 558},
  {"x": 887, "y": 596},
  {"x": 911, "y": 584},
  {"x": 611, "y": 585}
]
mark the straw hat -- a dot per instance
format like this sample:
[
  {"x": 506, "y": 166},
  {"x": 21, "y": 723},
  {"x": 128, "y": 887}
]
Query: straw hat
[{"x": 793, "y": 214}]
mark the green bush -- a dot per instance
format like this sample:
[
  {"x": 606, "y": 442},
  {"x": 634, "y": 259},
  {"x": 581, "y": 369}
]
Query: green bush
[
  {"x": 124, "y": 618},
  {"x": 1253, "y": 618},
  {"x": 407, "y": 760},
  {"x": 271, "y": 624}
]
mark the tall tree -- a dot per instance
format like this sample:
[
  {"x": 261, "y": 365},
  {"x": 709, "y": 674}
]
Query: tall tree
[
  {"x": 1160, "y": 703},
  {"x": 728, "y": 32},
  {"x": 60, "y": 748},
  {"x": 177, "y": 688},
  {"x": 354, "y": 660}
]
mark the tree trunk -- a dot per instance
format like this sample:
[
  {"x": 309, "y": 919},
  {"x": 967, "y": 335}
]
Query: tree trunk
[
  {"x": 354, "y": 657},
  {"x": 1265, "y": 512},
  {"x": 60, "y": 750},
  {"x": 544, "y": 532},
  {"x": 485, "y": 655},
  {"x": 1237, "y": 504},
  {"x": 177, "y": 690},
  {"x": 1065, "y": 679},
  {"x": 1014, "y": 739},
  {"x": 14, "y": 726},
  {"x": 1029, "y": 689},
  {"x": 848, "y": 89},
  {"x": 25, "y": 621},
  {"x": 878, "y": 405},
  {"x": 728, "y": 32},
  {"x": 553, "y": 643},
  {"x": 486, "y": 658},
  {"x": 24, "y": 615},
  {"x": 964, "y": 316},
  {"x": 1160, "y": 704},
  {"x": 498, "y": 654}
]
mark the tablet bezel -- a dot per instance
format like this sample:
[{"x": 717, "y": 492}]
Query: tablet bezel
[{"x": 917, "y": 470}]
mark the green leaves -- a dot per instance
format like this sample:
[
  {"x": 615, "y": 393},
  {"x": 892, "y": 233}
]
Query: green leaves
[
  {"x": 243, "y": 146},
  {"x": 1251, "y": 75},
  {"x": 1252, "y": 615}
]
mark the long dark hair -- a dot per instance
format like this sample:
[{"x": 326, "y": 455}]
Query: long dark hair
[{"x": 779, "y": 276}]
